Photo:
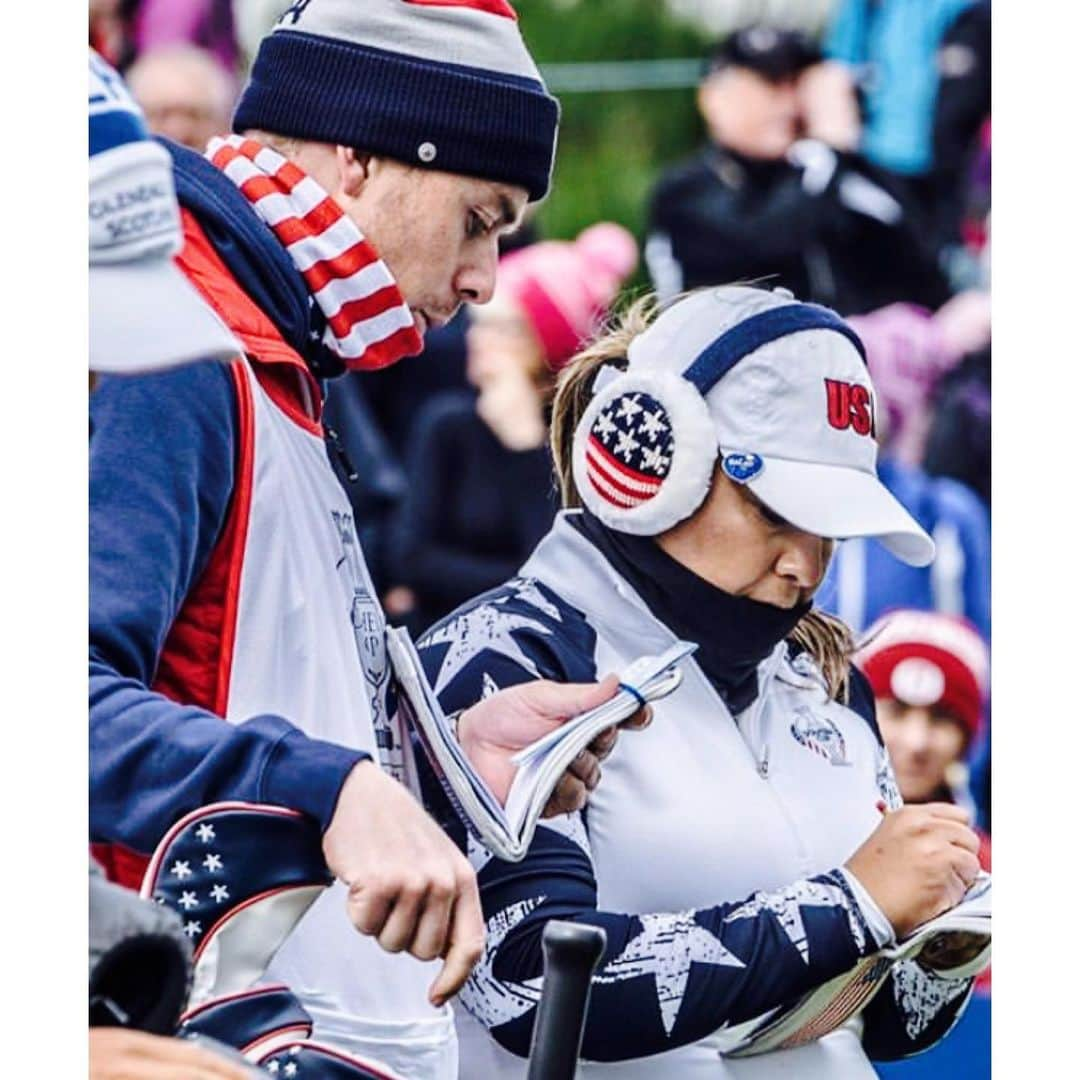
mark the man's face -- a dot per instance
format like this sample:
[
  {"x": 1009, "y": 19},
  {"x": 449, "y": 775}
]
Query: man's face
[
  {"x": 437, "y": 232},
  {"x": 750, "y": 114},
  {"x": 923, "y": 742}
]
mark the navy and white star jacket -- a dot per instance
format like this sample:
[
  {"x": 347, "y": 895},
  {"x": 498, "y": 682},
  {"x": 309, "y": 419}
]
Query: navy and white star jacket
[{"x": 711, "y": 853}]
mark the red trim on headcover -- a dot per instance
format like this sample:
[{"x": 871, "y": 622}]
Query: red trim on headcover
[
  {"x": 375, "y": 1068},
  {"x": 256, "y": 1045},
  {"x": 249, "y": 902},
  {"x": 256, "y": 991}
]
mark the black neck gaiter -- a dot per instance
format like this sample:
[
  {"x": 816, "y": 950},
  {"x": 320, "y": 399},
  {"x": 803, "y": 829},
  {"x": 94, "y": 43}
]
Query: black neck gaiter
[{"x": 733, "y": 633}]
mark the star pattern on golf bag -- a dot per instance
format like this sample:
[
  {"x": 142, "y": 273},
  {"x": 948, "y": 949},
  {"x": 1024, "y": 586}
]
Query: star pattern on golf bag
[
  {"x": 313, "y": 1061},
  {"x": 214, "y": 862},
  {"x": 629, "y": 450}
]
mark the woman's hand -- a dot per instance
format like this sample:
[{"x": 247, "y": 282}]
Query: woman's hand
[{"x": 918, "y": 863}]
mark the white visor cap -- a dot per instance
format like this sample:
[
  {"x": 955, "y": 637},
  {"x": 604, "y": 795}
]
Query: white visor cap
[{"x": 794, "y": 419}]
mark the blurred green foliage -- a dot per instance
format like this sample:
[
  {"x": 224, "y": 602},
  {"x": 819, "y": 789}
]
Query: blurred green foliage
[{"x": 612, "y": 146}]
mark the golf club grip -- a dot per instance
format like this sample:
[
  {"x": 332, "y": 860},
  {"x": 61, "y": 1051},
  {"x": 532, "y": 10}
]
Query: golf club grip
[{"x": 571, "y": 953}]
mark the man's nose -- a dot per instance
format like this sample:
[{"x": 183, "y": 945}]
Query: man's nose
[{"x": 476, "y": 279}]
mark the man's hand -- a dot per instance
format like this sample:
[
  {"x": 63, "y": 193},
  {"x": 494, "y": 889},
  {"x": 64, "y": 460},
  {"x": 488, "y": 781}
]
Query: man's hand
[
  {"x": 119, "y": 1054},
  {"x": 409, "y": 886},
  {"x": 495, "y": 729},
  {"x": 918, "y": 863}
]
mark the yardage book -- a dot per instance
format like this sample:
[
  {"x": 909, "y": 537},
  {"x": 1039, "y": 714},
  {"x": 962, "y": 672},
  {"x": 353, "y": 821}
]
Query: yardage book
[
  {"x": 826, "y": 1008},
  {"x": 508, "y": 832}
]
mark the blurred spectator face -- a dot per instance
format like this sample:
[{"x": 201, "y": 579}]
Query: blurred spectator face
[
  {"x": 923, "y": 742},
  {"x": 185, "y": 93},
  {"x": 501, "y": 345},
  {"x": 750, "y": 114}
]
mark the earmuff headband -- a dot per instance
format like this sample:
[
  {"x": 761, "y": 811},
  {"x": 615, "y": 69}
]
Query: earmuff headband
[{"x": 751, "y": 334}]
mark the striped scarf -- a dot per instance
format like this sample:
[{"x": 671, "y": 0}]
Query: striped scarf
[{"x": 368, "y": 323}]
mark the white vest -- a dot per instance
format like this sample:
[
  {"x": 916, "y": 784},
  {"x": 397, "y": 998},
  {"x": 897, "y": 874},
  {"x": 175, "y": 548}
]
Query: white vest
[
  {"x": 683, "y": 817},
  {"x": 310, "y": 647}
]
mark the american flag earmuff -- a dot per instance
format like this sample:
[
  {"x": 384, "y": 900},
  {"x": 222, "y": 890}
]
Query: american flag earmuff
[
  {"x": 644, "y": 451},
  {"x": 645, "y": 447}
]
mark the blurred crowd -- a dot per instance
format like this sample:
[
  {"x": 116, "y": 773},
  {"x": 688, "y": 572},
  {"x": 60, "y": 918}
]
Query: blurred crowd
[{"x": 854, "y": 171}]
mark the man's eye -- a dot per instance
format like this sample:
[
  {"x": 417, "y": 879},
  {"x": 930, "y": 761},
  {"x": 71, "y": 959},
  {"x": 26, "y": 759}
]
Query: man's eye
[{"x": 477, "y": 226}]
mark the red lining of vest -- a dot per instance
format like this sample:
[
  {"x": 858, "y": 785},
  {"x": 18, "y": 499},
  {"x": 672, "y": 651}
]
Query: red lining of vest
[
  {"x": 276, "y": 364},
  {"x": 195, "y": 665}
]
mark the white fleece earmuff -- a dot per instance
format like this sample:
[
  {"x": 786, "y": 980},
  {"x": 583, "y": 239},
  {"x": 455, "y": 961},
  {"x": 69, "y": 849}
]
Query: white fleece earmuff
[{"x": 645, "y": 447}]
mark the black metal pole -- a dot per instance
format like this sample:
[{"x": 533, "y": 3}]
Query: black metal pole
[{"x": 571, "y": 953}]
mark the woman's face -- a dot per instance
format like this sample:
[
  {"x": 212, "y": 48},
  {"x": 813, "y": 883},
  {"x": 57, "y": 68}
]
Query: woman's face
[
  {"x": 923, "y": 742},
  {"x": 735, "y": 543}
]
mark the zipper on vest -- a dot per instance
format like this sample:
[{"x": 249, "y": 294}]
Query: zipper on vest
[{"x": 339, "y": 451}]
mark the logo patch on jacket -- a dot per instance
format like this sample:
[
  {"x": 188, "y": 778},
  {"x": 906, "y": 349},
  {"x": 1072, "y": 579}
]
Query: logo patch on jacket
[{"x": 820, "y": 734}]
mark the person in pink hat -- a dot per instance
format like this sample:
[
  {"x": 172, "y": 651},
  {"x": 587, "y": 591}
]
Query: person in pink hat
[{"x": 481, "y": 491}]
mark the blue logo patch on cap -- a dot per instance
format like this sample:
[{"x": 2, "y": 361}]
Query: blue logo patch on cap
[{"x": 742, "y": 467}]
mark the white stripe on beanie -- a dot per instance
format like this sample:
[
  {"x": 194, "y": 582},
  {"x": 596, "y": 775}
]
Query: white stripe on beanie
[{"x": 446, "y": 33}]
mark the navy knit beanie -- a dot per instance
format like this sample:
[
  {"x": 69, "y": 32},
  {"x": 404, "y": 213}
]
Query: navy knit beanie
[{"x": 441, "y": 84}]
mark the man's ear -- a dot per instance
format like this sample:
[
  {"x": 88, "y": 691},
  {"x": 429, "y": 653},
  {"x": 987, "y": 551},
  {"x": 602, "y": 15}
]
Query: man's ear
[{"x": 354, "y": 170}]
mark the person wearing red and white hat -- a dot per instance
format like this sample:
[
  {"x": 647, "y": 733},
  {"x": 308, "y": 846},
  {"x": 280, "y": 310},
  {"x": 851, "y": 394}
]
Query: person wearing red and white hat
[{"x": 930, "y": 676}]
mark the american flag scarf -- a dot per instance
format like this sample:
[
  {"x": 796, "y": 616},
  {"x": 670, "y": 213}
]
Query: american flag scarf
[{"x": 368, "y": 323}]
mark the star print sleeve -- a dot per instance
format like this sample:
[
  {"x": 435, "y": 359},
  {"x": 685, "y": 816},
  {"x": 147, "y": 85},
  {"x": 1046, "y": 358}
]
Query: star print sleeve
[
  {"x": 666, "y": 979},
  {"x": 162, "y": 453}
]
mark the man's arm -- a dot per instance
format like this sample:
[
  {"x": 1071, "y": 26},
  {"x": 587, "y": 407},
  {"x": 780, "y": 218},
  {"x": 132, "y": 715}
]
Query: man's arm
[{"x": 162, "y": 457}]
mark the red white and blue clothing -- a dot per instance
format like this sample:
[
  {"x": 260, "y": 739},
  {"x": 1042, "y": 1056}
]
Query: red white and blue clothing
[
  {"x": 237, "y": 646},
  {"x": 712, "y": 852}
]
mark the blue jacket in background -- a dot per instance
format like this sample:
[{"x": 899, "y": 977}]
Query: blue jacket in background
[{"x": 892, "y": 46}]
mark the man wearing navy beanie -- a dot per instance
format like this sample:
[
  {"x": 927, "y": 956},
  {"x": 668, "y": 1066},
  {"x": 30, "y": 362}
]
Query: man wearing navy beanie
[{"x": 237, "y": 646}]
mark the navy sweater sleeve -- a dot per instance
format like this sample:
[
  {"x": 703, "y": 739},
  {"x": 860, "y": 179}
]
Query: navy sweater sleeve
[{"x": 162, "y": 455}]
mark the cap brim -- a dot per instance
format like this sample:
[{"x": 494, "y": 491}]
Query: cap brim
[
  {"x": 838, "y": 502},
  {"x": 146, "y": 315}
]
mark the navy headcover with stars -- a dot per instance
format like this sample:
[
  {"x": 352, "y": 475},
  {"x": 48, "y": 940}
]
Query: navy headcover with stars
[
  {"x": 313, "y": 1061},
  {"x": 240, "y": 875},
  {"x": 255, "y": 1022}
]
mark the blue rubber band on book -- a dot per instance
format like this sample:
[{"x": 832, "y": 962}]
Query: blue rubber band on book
[{"x": 632, "y": 691}]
